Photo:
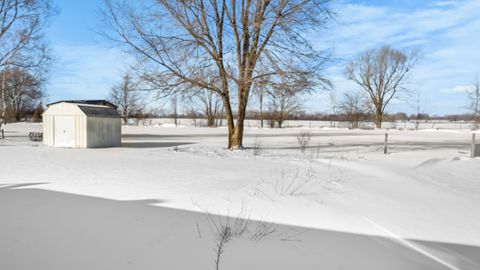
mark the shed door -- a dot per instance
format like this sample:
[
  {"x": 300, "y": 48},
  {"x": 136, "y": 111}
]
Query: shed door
[{"x": 65, "y": 131}]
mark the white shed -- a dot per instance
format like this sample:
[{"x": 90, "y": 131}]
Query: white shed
[{"x": 81, "y": 124}]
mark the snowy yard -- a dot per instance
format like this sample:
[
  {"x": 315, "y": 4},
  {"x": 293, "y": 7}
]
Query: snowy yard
[{"x": 154, "y": 202}]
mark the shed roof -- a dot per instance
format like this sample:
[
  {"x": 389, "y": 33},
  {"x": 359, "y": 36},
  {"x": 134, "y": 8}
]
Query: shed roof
[
  {"x": 87, "y": 101},
  {"x": 96, "y": 111}
]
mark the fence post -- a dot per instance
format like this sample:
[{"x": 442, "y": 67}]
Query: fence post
[
  {"x": 472, "y": 149},
  {"x": 3, "y": 134},
  {"x": 385, "y": 146}
]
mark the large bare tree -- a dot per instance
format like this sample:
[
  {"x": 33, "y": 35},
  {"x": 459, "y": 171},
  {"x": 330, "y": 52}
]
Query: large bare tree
[
  {"x": 21, "y": 39},
  {"x": 382, "y": 73},
  {"x": 240, "y": 40}
]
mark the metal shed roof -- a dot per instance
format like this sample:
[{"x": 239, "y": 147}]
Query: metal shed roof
[
  {"x": 87, "y": 101},
  {"x": 96, "y": 111}
]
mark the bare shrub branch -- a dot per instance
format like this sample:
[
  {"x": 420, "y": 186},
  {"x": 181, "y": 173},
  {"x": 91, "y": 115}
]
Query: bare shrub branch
[
  {"x": 226, "y": 228},
  {"x": 291, "y": 183},
  {"x": 303, "y": 140}
]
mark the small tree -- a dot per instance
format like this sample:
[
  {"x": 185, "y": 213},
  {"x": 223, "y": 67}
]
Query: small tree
[
  {"x": 260, "y": 92},
  {"x": 126, "y": 97},
  {"x": 382, "y": 73},
  {"x": 192, "y": 113},
  {"x": 354, "y": 105},
  {"x": 334, "y": 107},
  {"x": 283, "y": 104},
  {"x": 174, "y": 107},
  {"x": 285, "y": 96},
  {"x": 210, "y": 103},
  {"x": 417, "y": 105},
  {"x": 474, "y": 103}
]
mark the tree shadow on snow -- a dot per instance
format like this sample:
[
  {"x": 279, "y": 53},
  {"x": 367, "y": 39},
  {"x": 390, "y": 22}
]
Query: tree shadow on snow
[
  {"x": 41, "y": 229},
  {"x": 22, "y": 185}
]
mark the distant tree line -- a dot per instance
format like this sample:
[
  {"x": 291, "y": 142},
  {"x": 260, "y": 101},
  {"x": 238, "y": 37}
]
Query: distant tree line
[{"x": 272, "y": 107}]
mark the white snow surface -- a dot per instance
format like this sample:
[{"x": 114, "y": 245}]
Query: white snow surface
[{"x": 426, "y": 188}]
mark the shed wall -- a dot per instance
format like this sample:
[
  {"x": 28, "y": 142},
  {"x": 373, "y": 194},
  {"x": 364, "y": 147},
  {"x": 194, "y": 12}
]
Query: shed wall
[
  {"x": 81, "y": 131},
  {"x": 103, "y": 132},
  {"x": 64, "y": 109},
  {"x": 48, "y": 130}
]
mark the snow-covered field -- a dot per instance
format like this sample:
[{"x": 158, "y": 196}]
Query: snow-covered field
[{"x": 153, "y": 203}]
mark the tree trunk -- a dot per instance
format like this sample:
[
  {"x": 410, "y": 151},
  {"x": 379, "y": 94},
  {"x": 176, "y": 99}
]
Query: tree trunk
[
  {"x": 219, "y": 118},
  {"x": 229, "y": 118},
  {"x": 211, "y": 120},
  {"x": 3, "y": 97},
  {"x": 378, "y": 118},
  {"x": 210, "y": 114},
  {"x": 261, "y": 110},
  {"x": 237, "y": 138}
]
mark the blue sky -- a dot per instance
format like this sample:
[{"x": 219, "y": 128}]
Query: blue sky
[{"x": 445, "y": 31}]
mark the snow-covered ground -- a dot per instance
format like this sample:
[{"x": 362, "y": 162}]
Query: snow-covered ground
[{"x": 342, "y": 204}]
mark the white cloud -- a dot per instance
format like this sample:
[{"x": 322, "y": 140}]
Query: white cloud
[
  {"x": 463, "y": 89},
  {"x": 446, "y": 3}
]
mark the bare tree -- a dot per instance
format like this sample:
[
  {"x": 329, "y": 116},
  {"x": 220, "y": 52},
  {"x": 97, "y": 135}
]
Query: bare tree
[
  {"x": 174, "y": 108},
  {"x": 220, "y": 117},
  {"x": 126, "y": 96},
  {"x": 417, "y": 105},
  {"x": 211, "y": 103},
  {"x": 206, "y": 102},
  {"x": 355, "y": 106},
  {"x": 193, "y": 114},
  {"x": 260, "y": 93},
  {"x": 21, "y": 24},
  {"x": 23, "y": 92},
  {"x": 334, "y": 106},
  {"x": 382, "y": 73},
  {"x": 241, "y": 40},
  {"x": 283, "y": 104},
  {"x": 474, "y": 100},
  {"x": 285, "y": 96}
]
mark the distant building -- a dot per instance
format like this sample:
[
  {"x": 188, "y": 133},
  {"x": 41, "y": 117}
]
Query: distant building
[{"x": 81, "y": 124}]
